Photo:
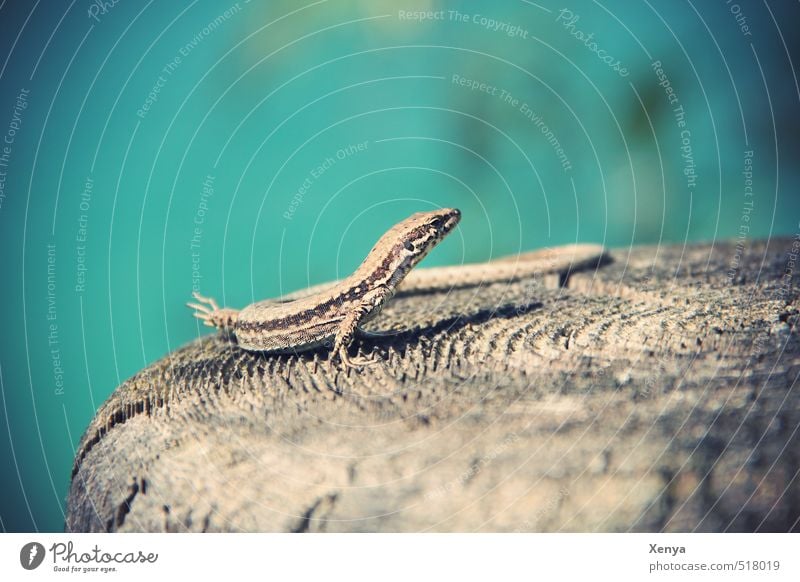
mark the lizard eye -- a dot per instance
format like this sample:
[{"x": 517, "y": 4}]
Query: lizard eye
[{"x": 409, "y": 246}]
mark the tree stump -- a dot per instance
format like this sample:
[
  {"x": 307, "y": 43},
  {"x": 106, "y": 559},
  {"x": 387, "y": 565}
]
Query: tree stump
[{"x": 654, "y": 392}]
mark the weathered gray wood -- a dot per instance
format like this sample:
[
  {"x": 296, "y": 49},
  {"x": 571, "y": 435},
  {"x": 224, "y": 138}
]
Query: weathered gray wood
[{"x": 656, "y": 392}]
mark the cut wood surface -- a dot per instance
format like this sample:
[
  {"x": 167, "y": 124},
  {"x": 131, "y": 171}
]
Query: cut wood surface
[{"x": 654, "y": 391}]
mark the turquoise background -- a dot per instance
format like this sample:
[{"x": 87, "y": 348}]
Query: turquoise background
[{"x": 265, "y": 93}]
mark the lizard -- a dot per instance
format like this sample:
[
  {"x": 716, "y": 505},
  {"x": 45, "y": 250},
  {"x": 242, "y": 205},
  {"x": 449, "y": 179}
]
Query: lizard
[{"x": 336, "y": 311}]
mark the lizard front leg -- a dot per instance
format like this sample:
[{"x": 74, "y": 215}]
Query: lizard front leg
[
  {"x": 349, "y": 326},
  {"x": 212, "y": 314}
]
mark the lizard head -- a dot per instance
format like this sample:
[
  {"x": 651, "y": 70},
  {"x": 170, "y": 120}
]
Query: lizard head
[
  {"x": 424, "y": 230},
  {"x": 406, "y": 244}
]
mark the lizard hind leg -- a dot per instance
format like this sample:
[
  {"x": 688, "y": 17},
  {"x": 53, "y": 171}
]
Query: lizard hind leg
[{"x": 211, "y": 314}]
